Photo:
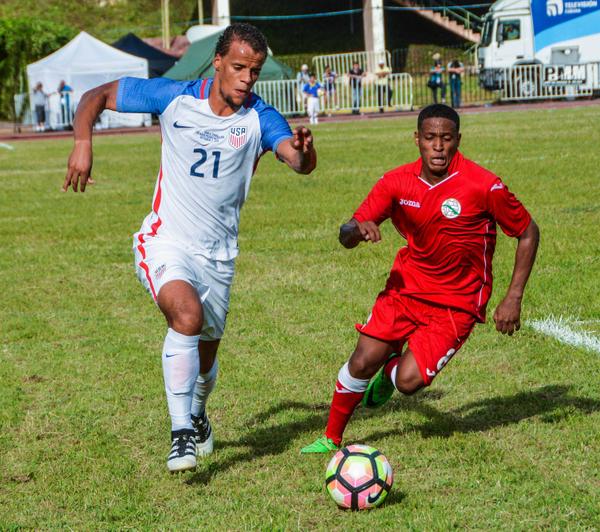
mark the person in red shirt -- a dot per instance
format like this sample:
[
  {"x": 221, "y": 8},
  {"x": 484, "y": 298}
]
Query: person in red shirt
[{"x": 447, "y": 208}]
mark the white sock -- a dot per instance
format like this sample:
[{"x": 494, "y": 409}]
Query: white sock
[
  {"x": 351, "y": 383},
  {"x": 393, "y": 375},
  {"x": 204, "y": 385},
  {"x": 181, "y": 364}
]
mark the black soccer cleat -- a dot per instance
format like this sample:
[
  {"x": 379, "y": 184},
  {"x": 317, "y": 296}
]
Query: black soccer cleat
[
  {"x": 204, "y": 435},
  {"x": 183, "y": 451}
]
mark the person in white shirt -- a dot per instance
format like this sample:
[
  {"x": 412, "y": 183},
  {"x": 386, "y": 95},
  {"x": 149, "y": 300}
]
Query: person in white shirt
[
  {"x": 38, "y": 100},
  {"x": 302, "y": 79},
  {"x": 213, "y": 133},
  {"x": 384, "y": 96}
]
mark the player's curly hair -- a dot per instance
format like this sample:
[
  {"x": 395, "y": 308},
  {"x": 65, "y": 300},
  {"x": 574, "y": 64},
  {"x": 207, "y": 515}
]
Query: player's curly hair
[
  {"x": 241, "y": 31},
  {"x": 438, "y": 110}
]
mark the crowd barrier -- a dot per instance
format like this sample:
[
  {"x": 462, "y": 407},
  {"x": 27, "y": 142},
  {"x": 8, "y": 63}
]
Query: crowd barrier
[
  {"x": 539, "y": 82},
  {"x": 401, "y": 92},
  {"x": 288, "y": 98},
  {"x": 342, "y": 63},
  {"x": 60, "y": 110}
]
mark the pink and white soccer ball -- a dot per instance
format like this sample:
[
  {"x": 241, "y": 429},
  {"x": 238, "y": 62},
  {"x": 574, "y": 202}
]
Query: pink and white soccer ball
[{"x": 359, "y": 477}]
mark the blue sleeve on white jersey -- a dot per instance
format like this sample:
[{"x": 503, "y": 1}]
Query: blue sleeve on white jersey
[
  {"x": 137, "y": 95},
  {"x": 273, "y": 127}
]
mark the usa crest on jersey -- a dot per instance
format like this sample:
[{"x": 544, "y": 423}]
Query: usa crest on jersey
[{"x": 237, "y": 137}]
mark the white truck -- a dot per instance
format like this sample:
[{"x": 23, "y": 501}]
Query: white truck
[{"x": 562, "y": 36}]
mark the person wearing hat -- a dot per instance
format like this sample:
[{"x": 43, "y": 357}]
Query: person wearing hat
[
  {"x": 384, "y": 92},
  {"x": 302, "y": 78}
]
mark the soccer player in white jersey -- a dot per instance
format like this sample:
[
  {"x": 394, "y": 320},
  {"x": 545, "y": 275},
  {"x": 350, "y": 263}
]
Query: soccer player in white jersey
[{"x": 213, "y": 133}]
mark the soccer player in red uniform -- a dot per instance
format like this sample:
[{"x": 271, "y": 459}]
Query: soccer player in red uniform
[{"x": 447, "y": 208}]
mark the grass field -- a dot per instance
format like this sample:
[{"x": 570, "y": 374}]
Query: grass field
[{"x": 506, "y": 438}]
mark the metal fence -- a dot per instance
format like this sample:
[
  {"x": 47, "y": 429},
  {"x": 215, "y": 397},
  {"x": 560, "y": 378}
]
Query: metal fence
[
  {"x": 287, "y": 96},
  {"x": 342, "y": 63},
  {"x": 539, "y": 82},
  {"x": 418, "y": 61},
  {"x": 60, "y": 111},
  {"x": 402, "y": 92}
]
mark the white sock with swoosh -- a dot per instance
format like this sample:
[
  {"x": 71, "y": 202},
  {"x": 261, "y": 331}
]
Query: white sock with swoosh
[
  {"x": 181, "y": 365},
  {"x": 204, "y": 386}
]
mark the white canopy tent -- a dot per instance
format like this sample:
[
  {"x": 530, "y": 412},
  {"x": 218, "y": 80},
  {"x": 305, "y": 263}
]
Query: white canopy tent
[{"x": 84, "y": 63}]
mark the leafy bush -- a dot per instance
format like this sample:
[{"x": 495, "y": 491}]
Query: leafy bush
[{"x": 24, "y": 40}]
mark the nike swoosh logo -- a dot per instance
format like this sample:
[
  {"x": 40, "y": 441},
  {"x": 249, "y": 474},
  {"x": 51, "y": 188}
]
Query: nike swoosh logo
[
  {"x": 372, "y": 499},
  {"x": 497, "y": 186},
  {"x": 179, "y": 126},
  {"x": 172, "y": 355}
]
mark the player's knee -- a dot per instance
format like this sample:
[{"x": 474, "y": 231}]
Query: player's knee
[
  {"x": 408, "y": 384},
  {"x": 362, "y": 365},
  {"x": 187, "y": 322}
]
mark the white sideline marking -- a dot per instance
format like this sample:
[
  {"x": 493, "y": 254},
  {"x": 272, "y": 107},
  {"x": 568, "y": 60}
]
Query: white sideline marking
[
  {"x": 559, "y": 328},
  {"x": 7, "y": 146}
]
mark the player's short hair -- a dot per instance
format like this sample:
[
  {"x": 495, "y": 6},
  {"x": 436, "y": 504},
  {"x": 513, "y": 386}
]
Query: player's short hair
[
  {"x": 438, "y": 110},
  {"x": 242, "y": 31}
]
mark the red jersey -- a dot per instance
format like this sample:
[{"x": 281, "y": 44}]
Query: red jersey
[{"x": 450, "y": 228}]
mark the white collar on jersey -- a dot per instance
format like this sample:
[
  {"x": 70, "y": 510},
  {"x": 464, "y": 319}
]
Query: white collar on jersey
[{"x": 442, "y": 181}]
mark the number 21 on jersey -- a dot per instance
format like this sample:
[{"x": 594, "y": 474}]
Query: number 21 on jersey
[{"x": 216, "y": 157}]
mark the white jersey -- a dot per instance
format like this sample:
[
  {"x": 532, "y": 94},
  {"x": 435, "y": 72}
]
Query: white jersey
[{"x": 207, "y": 161}]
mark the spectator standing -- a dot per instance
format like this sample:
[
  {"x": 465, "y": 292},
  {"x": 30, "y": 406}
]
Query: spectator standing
[
  {"x": 39, "y": 104},
  {"x": 436, "y": 79},
  {"x": 302, "y": 79},
  {"x": 356, "y": 74},
  {"x": 384, "y": 93},
  {"x": 65, "y": 92},
  {"x": 455, "y": 72},
  {"x": 312, "y": 91},
  {"x": 329, "y": 96}
]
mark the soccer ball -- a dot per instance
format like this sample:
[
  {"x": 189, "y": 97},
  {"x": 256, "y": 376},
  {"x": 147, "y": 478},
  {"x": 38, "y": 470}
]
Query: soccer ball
[
  {"x": 320, "y": 92},
  {"x": 358, "y": 477}
]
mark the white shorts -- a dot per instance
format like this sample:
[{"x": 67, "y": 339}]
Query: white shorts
[{"x": 158, "y": 261}]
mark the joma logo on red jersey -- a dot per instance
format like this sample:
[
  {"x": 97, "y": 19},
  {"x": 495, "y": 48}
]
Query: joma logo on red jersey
[{"x": 410, "y": 203}]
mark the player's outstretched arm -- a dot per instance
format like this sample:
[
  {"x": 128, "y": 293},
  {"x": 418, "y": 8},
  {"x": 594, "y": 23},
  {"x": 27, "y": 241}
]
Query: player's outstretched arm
[
  {"x": 508, "y": 313},
  {"x": 92, "y": 103},
  {"x": 299, "y": 152},
  {"x": 354, "y": 232}
]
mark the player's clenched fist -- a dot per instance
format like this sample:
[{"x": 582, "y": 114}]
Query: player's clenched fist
[
  {"x": 507, "y": 316},
  {"x": 354, "y": 232},
  {"x": 369, "y": 231}
]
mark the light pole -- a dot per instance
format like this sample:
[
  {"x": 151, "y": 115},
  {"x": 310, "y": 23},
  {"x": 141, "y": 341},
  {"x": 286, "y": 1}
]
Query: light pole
[{"x": 166, "y": 35}]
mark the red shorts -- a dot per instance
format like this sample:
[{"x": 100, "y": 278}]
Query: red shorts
[{"x": 434, "y": 334}]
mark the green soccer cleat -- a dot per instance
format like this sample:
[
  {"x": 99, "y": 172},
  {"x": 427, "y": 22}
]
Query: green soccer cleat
[
  {"x": 320, "y": 445},
  {"x": 380, "y": 389}
]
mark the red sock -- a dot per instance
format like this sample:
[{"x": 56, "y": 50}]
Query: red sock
[
  {"x": 389, "y": 367},
  {"x": 342, "y": 406}
]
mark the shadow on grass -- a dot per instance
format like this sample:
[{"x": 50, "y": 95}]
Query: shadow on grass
[
  {"x": 550, "y": 404},
  {"x": 268, "y": 434}
]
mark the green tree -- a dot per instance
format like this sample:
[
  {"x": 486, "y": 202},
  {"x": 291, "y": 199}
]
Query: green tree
[{"x": 22, "y": 41}]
